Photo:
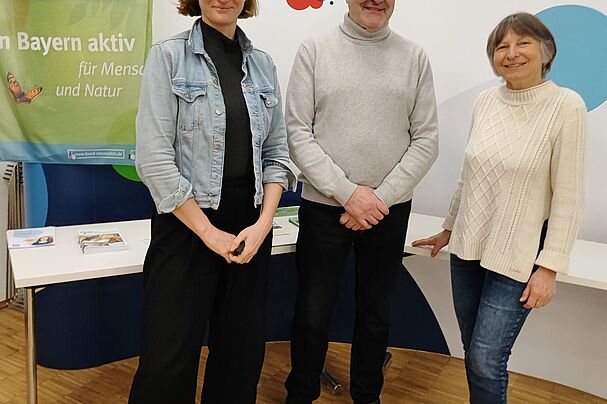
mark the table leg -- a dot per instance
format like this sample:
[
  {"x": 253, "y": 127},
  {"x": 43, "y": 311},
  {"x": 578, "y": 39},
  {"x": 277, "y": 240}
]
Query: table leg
[{"x": 32, "y": 388}]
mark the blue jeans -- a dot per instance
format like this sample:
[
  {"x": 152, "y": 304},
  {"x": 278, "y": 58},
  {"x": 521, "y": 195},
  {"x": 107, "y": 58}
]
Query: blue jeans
[{"x": 490, "y": 318}]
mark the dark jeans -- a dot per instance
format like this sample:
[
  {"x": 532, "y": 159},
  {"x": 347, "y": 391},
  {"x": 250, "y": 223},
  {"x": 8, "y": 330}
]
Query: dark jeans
[
  {"x": 187, "y": 285},
  {"x": 322, "y": 247},
  {"x": 490, "y": 318}
]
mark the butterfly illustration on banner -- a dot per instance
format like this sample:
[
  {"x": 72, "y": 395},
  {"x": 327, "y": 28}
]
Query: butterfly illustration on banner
[{"x": 20, "y": 96}]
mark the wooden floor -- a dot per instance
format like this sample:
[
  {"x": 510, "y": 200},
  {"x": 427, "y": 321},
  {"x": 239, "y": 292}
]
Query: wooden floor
[{"x": 413, "y": 377}]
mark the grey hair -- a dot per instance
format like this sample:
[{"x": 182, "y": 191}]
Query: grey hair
[{"x": 524, "y": 24}]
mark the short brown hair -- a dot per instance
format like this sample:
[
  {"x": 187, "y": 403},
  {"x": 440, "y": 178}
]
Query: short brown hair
[
  {"x": 191, "y": 8},
  {"x": 524, "y": 24}
]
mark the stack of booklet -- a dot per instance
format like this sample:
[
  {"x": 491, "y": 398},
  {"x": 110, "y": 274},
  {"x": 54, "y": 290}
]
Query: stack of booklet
[{"x": 97, "y": 241}]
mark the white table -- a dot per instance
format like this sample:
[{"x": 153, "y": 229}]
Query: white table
[
  {"x": 36, "y": 267},
  {"x": 587, "y": 265},
  {"x": 63, "y": 262}
]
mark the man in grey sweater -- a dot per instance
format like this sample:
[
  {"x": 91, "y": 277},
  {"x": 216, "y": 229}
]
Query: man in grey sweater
[{"x": 362, "y": 128}]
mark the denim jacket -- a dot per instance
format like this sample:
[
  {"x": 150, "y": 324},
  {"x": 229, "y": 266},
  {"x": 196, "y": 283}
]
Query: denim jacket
[{"x": 181, "y": 122}]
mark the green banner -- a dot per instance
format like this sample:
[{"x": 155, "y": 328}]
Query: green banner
[{"x": 72, "y": 72}]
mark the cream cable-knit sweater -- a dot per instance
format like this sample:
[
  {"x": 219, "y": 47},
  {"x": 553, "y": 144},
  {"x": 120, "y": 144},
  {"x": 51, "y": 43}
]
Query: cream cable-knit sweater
[{"x": 524, "y": 163}]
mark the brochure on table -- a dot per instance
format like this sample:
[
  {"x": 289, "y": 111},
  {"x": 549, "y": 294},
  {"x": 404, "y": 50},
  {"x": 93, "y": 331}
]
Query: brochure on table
[
  {"x": 34, "y": 237},
  {"x": 101, "y": 241}
]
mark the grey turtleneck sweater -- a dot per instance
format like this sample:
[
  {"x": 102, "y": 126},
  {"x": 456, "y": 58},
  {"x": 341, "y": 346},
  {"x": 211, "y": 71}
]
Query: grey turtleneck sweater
[{"x": 361, "y": 110}]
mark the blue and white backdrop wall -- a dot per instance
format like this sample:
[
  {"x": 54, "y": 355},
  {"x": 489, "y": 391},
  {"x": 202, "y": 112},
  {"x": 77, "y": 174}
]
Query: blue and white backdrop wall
[
  {"x": 454, "y": 35},
  {"x": 564, "y": 342},
  {"x": 557, "y": 342}
]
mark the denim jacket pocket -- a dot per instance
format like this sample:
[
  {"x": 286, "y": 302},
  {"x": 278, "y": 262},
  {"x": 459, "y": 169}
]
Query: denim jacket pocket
[
  {"x": 190, "y": 97},
  {"x": 189, "y": 107}
]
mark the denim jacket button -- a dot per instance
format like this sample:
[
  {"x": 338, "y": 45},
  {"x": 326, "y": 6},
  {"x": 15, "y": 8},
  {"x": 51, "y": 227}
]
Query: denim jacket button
[{"x": 218, "y": 111}]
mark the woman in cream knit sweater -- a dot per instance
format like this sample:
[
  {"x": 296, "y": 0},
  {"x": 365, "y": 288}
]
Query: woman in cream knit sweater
[{"x": 514, "y": 216}]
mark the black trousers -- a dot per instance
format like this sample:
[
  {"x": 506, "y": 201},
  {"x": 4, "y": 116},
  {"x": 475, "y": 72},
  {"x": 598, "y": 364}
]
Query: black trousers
[
  {"x": 322, "y": 248},
  {"x": 186, "y": 286}
]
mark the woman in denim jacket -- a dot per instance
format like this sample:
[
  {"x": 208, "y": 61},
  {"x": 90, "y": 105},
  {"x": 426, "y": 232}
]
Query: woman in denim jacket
[{"x": 211, "y": 147}]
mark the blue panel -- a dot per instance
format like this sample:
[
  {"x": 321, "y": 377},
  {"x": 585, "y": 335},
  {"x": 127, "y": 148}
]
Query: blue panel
[
  {"x": 291, "y": 198},
  {"x": 413, "y": 322},
  {"x": 92, "y": 194},
  {"x": 88, "y": 323},
  {"x": 36, "y": 195}
]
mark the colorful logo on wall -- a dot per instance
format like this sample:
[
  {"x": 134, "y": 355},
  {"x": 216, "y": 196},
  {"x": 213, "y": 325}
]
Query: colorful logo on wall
[{"x": 304, "y": 4}]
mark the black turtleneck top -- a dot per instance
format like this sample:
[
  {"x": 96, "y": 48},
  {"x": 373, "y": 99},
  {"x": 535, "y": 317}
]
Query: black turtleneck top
[{"x": 227, "y": 58}]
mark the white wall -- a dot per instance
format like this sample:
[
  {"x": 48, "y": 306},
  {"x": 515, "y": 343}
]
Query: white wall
[{"x": 454, "y": 35}]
